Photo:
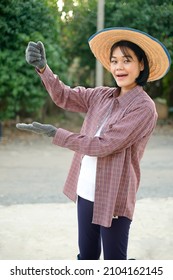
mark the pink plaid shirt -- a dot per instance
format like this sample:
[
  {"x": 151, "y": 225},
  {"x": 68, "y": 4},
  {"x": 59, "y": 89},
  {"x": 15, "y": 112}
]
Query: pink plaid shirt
[{"x": 118, "y": 149}]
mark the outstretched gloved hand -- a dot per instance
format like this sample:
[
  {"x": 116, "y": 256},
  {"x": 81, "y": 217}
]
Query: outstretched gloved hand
[
  {"x": 35, "y": 54},
  {"x": 45, "y": 129}
]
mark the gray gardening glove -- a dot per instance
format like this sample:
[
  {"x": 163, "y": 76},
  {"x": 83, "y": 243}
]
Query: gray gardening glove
[
  {"x": 45, "y": 129},
  {"x": 35, "y": 54}
]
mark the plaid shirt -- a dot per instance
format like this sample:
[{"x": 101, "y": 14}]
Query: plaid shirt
[{"x": 118, "y": 149}]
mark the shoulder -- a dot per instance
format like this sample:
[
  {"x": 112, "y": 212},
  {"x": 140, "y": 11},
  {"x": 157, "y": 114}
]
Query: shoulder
[
  {"x": 106, "y": 91},
  {"x": 147, "y": 100},
  {"x": 142, "y": 98},
  {"x": 142, "y": 102}
]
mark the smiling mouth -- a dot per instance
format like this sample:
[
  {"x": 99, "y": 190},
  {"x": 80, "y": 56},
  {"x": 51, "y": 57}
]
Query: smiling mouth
[{"x": 122, "y": 75}]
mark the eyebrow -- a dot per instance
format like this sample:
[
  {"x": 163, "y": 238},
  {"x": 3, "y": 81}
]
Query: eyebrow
[{"x": 126, "y": 56}]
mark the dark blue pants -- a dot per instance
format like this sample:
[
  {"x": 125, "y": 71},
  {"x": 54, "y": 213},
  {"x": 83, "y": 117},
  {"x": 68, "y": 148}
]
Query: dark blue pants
[{"x": 114, "y": 239}]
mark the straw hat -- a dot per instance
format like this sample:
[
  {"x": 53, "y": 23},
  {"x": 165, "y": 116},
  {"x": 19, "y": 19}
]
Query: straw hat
[{"x": 158, "y": 56}]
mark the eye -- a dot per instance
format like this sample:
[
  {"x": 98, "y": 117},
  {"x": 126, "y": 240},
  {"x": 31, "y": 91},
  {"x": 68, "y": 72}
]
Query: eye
[
  {"x": 127, "y": 60},
  {"x": 113, "y": 61}
]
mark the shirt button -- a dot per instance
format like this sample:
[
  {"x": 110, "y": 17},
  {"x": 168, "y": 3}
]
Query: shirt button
[
  {"x": 115, "y": 217},
  {"x": 116, "y": 101}
]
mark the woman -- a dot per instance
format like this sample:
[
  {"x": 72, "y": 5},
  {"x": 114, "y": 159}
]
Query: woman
[{"x": 105, "y": 173}]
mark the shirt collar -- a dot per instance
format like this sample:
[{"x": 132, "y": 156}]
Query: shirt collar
[{"x": 129, "y": 96}]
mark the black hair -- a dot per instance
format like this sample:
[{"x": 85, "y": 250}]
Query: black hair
[{"x": 140, "y": 54}]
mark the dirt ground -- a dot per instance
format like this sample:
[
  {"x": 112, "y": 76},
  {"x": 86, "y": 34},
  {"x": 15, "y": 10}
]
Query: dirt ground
[{"x": 38, "y": 222}]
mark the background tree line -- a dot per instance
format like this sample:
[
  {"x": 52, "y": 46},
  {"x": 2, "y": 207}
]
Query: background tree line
[{"x": 65, "y": 34}]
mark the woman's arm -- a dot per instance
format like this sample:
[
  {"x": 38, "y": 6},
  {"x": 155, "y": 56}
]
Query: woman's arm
[{"x": 76, "y": 99}]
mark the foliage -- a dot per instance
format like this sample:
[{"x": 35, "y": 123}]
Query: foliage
[
  {"x": 21, "y": 92},
  {"x": 76, "y": 29},
  {"x": 65, "y": 35},
  {"x": 152, "y": 16}
]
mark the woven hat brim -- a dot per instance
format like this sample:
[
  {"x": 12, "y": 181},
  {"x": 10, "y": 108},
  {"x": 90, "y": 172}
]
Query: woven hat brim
[{"x": 158, "y": 56}]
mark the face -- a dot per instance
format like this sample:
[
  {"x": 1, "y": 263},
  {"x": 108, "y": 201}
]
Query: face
[{"x": 125, "y": 69}]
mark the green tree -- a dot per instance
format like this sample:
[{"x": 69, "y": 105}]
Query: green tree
[
  {"x": 65, "y": 35},
  {"x": 78, "y": 23},
  {"x": 21, "y": 92}
]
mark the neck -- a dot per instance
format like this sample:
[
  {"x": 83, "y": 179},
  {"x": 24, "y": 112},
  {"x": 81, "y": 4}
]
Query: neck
[{"x": 124, "y": 91}]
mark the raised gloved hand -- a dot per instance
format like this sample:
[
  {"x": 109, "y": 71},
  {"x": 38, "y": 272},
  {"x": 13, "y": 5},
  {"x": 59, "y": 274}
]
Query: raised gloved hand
[
  {"x": 35, "y": 54},
  {"x": 45, "y": 129}
]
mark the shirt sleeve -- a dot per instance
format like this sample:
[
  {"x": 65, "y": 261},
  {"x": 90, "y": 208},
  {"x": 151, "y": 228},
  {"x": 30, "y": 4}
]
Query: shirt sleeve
[
  {"x": 76, "y": 99},
  {"x": 131, "y": 128}
]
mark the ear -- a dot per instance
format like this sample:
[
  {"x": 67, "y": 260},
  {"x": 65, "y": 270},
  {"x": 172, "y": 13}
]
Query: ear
[{"x": 142, "y": 65}]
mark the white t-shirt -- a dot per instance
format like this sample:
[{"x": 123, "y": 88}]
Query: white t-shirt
[{"x": 87, "y": 176}]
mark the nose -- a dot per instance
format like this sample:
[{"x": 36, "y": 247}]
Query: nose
[{"x": 119, "y": 66}]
